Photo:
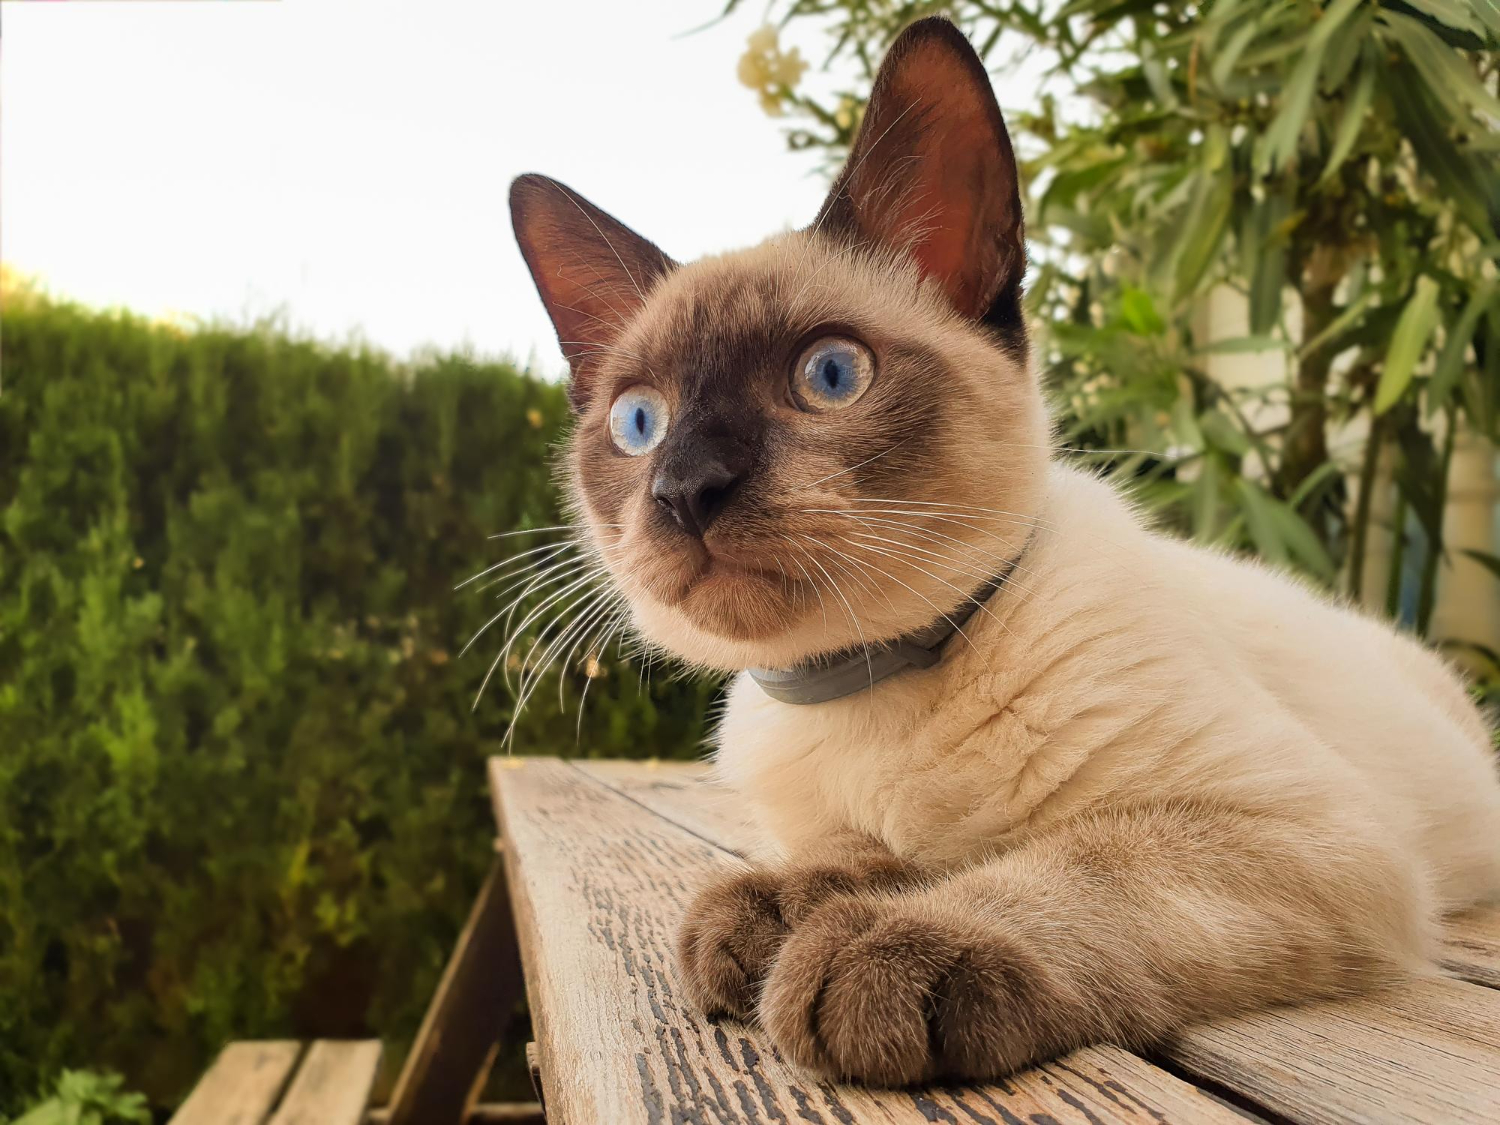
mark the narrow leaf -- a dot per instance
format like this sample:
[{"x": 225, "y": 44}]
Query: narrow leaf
[
  {"x": 1451, "y": 363},
  {"x": 1355, "y": 109},
  {"x": 1412, "y": 331}
]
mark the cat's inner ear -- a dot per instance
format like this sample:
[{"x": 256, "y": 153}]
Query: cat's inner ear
[
  {"x": 932, "y": 173},
  {"x": 592, "y": 271}
]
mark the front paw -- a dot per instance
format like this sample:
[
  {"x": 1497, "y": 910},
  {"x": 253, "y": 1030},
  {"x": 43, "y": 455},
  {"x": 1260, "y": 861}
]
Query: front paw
[
  {"x": 729, "y": 937},
  {"x": 735, "y": 927},
  {"x": 873, "y": 990}
]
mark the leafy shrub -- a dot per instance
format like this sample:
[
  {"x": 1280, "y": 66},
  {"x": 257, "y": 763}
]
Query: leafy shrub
[
  {"x": 83, "y": 1097},
  {"x": 241, "y": 786}
]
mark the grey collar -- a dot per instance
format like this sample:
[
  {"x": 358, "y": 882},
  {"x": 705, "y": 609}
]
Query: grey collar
[{"x": 859, "y": 667}]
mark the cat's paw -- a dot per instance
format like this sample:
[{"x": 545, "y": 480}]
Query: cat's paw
[
  {"x": 729, "y": 936},
  {"x": 872, "y": 990},
  {"x": 735, "y": 927}
]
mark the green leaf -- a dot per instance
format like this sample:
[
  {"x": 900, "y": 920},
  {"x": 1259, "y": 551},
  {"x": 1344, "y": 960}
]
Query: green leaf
[
  {"x": 1300, "y": 540},
  {"x": 1198, "y": 244},
  {"x": 1241, "y": 344},
  {"x": 1279, "y": 143},
  {"x": 1338, "y": 324},
  {"x": 1446, "y": 72},
  {"x": 1313, "y": 481},
  {"x": 1451, "y": 363},
  {"x": 1355, "y": 108},
  {"x": 1205, "y": 505},
  {"x": 1476, "y": 190},
  {"x": 1454, "y": 13},
  {"x": 1139, "y": 313},
  {"x": 1257, "y": 504},
  {"x": 1223, "y": 433},
  {"x": 1412, "y": 332}
]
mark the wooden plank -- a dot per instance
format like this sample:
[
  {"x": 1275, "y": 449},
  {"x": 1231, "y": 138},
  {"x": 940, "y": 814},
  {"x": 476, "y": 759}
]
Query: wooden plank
[
  {"x": 479, "y": 989},
  {"x": 332, "y": 1085},
  {"x": 682, "y": 792},
  {"x": 1426, "y": 1053},
  {"x": 598, "y": 882},
  {"x": 481, "y": 1113},
  {"x": 242, "y": 1085},
  {"x": 1471, "y": 946}
]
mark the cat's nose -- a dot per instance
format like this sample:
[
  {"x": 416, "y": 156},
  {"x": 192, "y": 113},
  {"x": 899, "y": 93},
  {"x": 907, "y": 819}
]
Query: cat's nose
[{"x": 695, "y": 496}]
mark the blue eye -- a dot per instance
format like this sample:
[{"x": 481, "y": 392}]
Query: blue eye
[
  {"x": 832, "y": 373},
  {"x": 638, "y": 420}
]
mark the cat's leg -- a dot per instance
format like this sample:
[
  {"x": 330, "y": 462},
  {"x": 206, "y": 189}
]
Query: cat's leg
[
  {"x": 1122, "y": 927},
  {"x": 735, "y": 925}
]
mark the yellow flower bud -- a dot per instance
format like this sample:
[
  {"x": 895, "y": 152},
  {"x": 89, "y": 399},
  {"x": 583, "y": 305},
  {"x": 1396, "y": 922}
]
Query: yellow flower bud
[
  {"x": 752, "y": 70},
  {"x": 763, "y": 39}
]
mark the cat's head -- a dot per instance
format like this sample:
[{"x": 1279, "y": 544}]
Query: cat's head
[{"x": 832, "y": 438}]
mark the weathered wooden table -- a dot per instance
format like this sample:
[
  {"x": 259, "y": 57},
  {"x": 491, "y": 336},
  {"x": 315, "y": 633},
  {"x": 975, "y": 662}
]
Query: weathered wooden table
[{"x": 601, "y": 858}]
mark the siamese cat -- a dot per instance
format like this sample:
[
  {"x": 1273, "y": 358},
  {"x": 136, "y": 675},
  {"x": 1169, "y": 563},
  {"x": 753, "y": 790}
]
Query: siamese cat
[{"x": 1100, "y": 783}]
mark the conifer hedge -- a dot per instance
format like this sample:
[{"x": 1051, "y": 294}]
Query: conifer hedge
[{"x": 241, "y": 784}]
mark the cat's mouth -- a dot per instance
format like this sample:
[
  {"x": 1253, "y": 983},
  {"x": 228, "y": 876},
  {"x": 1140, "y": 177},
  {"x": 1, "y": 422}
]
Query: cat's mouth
[
  {"x": 728, "y": 594},
  {"x": 719, "y": 567}
]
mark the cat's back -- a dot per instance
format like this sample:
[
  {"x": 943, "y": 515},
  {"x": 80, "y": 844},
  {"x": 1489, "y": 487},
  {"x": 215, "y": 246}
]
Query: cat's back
[{"x": 1376, "y": 698}]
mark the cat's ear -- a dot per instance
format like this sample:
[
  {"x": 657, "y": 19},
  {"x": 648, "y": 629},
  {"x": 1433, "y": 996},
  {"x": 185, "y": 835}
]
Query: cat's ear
[
  {"x": 932, "y": 173},
  {"x": 592, "y": 271}
]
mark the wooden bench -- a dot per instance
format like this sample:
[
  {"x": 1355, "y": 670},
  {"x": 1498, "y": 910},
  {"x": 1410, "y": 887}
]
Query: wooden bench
[
  {"x": 601, "y": 857},
  {"x": 277, "y": 1082}
]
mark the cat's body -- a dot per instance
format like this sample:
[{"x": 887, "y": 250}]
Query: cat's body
[
  {"x": 1120, "y": 667},
  {"x": 1143, "y": 785}
]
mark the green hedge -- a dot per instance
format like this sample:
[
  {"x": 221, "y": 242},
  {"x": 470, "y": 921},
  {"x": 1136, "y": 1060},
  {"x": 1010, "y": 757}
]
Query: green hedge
[{"x": 241, "y": 790}]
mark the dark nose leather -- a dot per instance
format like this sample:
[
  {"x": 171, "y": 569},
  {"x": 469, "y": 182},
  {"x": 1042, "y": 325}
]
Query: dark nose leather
[{"x": 695, "y": 494}]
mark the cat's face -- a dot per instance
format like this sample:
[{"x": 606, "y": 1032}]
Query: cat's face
[{"x": 832, "y": 438}]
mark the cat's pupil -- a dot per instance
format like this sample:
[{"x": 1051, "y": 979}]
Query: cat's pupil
[
  {"x": 640, "y": 421},
  {"x": 831, "y": 374}
]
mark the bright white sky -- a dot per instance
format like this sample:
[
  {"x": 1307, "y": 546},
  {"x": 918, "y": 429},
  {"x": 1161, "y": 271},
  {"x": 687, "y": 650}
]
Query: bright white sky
[{"x": 345, "y": 162}]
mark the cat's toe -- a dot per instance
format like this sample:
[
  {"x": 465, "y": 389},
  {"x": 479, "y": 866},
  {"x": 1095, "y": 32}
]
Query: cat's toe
[
  {"x": 870, "y": 991},
  {"x": 729, "y": 937}
]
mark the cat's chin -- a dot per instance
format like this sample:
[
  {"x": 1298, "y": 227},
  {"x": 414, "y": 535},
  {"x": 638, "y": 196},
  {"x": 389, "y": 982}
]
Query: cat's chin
[{"x": 727, "y": 617}]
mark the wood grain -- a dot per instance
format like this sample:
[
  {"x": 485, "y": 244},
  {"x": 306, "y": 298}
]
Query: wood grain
[
  {"x": 242, "y": 1084},
  {"x": 332, "y": 1085},
  {"x": 598, "y": 882},
  {"x": 1426, "y": 1053},
  {"x": 681, "y": 792},
  {"x": 1471, "y": 946}
]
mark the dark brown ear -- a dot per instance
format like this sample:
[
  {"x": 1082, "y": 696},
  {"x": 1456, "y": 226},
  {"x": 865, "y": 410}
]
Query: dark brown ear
[
  {"x": 932, "y": 172},
  {"x": 592, "y": 271}
]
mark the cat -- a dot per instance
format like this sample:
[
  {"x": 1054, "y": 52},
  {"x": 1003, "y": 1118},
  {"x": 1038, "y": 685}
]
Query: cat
[{"x": 1122, "y": 783}]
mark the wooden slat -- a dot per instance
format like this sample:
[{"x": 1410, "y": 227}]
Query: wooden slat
[
  {"x": 598, "y": 882},
  {"x": 683, "y": 793},
  {"x": 1472, "y": 946},
  {"x": 242, "y": 1085},
  {"x": 332, "y": 1085},
  {"x": 481, "y": 1113},
  {"x": 1427, "y": 1053},
  {"x": 480, "y": 987}
]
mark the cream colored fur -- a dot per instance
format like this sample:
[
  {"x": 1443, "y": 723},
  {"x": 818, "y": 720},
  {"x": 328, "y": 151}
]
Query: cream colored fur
[{"x": 1134, "y": 667}]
